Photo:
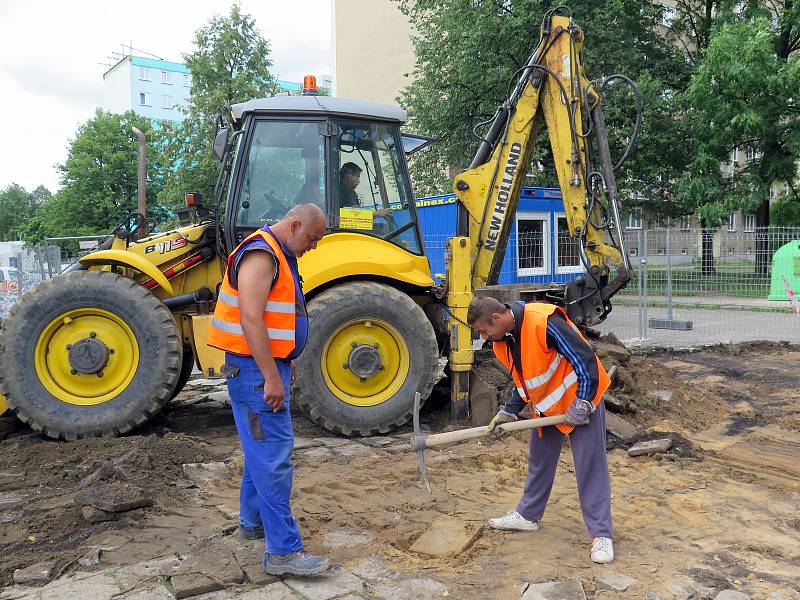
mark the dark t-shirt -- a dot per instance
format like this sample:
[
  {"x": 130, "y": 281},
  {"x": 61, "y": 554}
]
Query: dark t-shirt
[{"x": 347, "y": 196}]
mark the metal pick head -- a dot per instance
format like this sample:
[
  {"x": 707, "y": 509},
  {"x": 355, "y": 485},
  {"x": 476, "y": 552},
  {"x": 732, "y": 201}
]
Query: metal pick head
[{"x": 418, "y": 443}]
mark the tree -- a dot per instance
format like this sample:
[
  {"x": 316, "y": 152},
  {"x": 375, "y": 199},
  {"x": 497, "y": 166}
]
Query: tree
[
  {"x": 99, "y": 179},
  {"x": 467, "y": 52},
  {"x": 16, "y": 207},
  {"x": 230, "y": 64},
  {"x": 744, "y": 95}
]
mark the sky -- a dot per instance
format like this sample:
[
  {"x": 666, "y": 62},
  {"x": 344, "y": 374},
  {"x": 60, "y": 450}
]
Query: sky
[{"x": 51, "y": 55}]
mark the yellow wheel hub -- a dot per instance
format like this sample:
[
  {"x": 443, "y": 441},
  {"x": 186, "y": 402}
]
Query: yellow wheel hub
[
  {"x": 365, "y": 362},
  {"x": 86, "y": 356}
]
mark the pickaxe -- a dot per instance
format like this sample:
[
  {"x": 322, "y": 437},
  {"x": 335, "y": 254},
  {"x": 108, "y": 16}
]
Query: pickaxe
[{"x": 420, "y": 443}]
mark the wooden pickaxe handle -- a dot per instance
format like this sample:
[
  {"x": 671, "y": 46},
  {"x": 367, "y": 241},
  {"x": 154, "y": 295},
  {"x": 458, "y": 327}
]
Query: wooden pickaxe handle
[{"x": 451, "y": 437}]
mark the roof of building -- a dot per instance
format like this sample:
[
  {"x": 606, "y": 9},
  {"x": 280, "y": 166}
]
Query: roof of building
[
  {"x": 321, "y": 104},
  {"x": 155, "y": 63}
]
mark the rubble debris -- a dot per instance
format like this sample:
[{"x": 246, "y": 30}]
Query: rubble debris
[
  {"x": 616, "y": 582},
  {"x": 92, "y": 514},
  {"x": 563, "y": 590},
  {"x": 38, "y": 573},
  {"x": 117, "y": 497},
  {"x": 650, "y": 447},
  {"x": 619, "y": 427}
]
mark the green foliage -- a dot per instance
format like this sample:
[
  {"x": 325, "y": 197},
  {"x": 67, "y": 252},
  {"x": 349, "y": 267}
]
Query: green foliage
[
  {"x": 99, "y": 179},
  {"x": 744, "y": 94},
  {"x": 230, "y": 64},
  {"x": 468, "y": 51},
  {"x": 16, "y": 207},
  {"x": 785, "y": 212}
]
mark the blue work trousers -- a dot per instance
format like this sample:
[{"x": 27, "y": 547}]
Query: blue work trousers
[{"x": 267, "y": 442}]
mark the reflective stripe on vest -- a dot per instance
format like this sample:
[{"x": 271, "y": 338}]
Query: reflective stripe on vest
[{"x": 280, "y": 309}]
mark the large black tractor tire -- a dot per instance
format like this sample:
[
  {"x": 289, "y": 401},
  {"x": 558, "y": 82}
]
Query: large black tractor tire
[
  {"x": 355, "y": 329},
  {"x": 88, "y": 353},
  {"x": 187, "y": 366}
]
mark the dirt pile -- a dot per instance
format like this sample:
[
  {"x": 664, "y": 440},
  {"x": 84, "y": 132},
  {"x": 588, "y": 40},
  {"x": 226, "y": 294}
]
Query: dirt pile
[{"x": 40, "y": 480}]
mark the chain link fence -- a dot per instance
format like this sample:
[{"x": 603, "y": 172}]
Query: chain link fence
[{"x": 689, "y": 286}]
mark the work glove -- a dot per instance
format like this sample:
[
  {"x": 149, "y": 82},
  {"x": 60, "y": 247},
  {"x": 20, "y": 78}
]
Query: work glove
[
  {"x": 578, "y": 412},
  {"x": 500, "y": 418}
]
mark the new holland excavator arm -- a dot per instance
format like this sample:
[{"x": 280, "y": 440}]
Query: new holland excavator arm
[{"x": 551, "y": 86}]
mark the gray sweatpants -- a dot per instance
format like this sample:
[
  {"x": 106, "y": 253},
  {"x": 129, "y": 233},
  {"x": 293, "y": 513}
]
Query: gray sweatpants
[{"x": 591, "y": 470}]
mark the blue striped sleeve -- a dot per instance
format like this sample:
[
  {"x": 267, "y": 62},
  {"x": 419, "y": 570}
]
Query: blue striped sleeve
[{"x": 567, "y": 342}]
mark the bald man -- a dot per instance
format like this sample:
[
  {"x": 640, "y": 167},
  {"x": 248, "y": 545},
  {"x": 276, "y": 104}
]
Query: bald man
[{"x": 260, "y": 321}]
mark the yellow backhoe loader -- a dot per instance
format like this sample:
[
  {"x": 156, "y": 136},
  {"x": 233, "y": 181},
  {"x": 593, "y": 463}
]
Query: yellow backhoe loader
[{"x": 101, "y": 348}]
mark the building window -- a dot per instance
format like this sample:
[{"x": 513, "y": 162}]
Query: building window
[
  {"x": 635, "y": 218},
  {"x": 144, "y": 73},
  {"x": 187, "y": 80},
  {"x": 568, "y": 258},
  {"x": 667, "y": 15},
  {"x": 749, "y": 223},
  {"x": 684, "y": 251},
  {"x": 633, "y": 252},
  {"x": 685, "y": 223},
  {"x": 734, "y": 155},
  {"x": 732, "y": 222},
  {"x": 752, "y": 154},
  {"x": 186, "y": 102},
  {"x": 144, "y": 99},
  {"x": 533, "y": 239},
  {"x": 166, "y": 77},
  {"x": 166, "y": 102}
]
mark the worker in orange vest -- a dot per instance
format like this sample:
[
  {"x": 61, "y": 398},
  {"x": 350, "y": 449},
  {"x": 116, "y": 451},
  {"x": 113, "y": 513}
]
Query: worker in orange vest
[
  {"x": 557, "y": 373},
  {"x": 260, "y": 321}
]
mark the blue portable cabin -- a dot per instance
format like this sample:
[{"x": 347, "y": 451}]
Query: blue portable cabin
[{"x": 539, "y": 250}]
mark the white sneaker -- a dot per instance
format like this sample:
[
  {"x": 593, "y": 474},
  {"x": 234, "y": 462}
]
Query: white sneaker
[
  {"x": 602, "y": 550},
  {"x": 513, "y": 521}
]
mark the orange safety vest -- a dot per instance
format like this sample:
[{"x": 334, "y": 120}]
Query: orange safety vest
[
  {"x": 280, "y": 308},
  {"x": 548, "y": 381}
]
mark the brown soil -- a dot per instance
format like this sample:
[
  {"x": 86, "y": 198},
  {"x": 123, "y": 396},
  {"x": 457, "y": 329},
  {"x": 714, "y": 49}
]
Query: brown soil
[{"x": 719, "y": 511}]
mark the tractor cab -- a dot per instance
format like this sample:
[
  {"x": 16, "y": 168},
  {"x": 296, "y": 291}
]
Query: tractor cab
[{"x": 344, "y": 155}]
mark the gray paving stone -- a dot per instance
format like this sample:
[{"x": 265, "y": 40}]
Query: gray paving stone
[
  {"x": 38, "y": 573},
  {"x": 301, "y": 443},
  {"x": 116, "y": 497},
  {"x": 145, "y": 572},
  {"x": 615, "y": 582},
  {"x": 619, "y": 427},
  {"x": 343, "y": 537},
  {"x": 91, "y": 514},
  {"x": 650, "y": 447},
  {"x": 411, "y": 589},
  {"x": 333, "y": 583},
  {"x": 446, "y": 535},
  {"x": 320, "y": 453},
  {"x": 90, "y": 558},
  {"x": 555, "y": 590},
  {"x": 255, "y": 574},
  {"x": 661, "y": 395},
  {"x": 378, "y": 441},
  {"x": 205, "y": 382},
  {"x": 201, "y": 472},
  {"x": 732, "y": 595},
  {"x": 652, "y": 596},
  {"x": 334, "y": 442},
  {"x": 220, "y": 397},
  {"x": 679, "y": 592},
  {"x": 205, "y": 572},
  {"x": 785, "y": 594},
  {"x": 273, "y": 591},
  {"x": 373, "y": 569},
  {"x": 152, "y": 591},
  {"x": 101, "y": 586}
]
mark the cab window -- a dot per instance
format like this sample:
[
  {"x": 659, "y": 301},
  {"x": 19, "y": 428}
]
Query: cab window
[{"x": 285, "y": 166}]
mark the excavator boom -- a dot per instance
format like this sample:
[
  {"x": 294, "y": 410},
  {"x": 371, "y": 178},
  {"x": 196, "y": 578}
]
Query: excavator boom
[{"x": 551, "y": 88}]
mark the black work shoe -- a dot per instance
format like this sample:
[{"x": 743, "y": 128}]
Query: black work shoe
[
  {"x": 294, "y": 563},
  {"x": 257, "y": 533}
]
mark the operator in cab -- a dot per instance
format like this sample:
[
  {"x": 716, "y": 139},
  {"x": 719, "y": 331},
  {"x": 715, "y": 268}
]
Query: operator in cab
[
  {"x": 556, "y": 372},
  {"x": 261, "y": 323},
  {"x": 349, "y": 178}
]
